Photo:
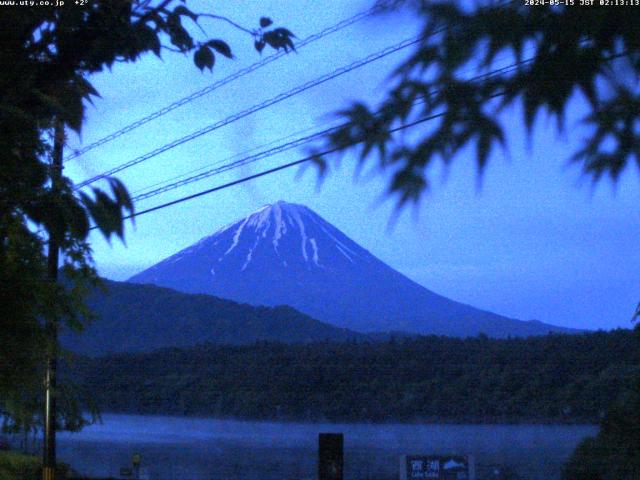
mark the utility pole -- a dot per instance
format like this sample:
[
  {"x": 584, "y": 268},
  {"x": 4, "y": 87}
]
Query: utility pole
[{"x": 51, "y": 326}]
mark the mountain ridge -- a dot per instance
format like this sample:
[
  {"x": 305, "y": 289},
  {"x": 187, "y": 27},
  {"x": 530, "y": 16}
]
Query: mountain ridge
[
  {"x": 285, "y": 253},
  {"x": 143, "y": 318}
]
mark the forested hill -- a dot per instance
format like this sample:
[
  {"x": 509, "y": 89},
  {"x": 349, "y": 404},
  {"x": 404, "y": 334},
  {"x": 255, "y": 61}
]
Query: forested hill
[
  {"x": 556, "y": 378},
  {"x": 137, "y": 318}
]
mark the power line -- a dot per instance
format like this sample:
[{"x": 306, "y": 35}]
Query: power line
[
  {"x": 214, "y": 86},
  {"x": 271, "y": 170},
  {"x": 373, "y": 57},
  {"x": 287, "y": 146},
  {"x": 229, "y": 166},
  {"x": 280, "y": 97},
  {"x": 315, "y": 155},
  {"x": 244, "y": 154},
  {"x": 148, "y": 192},
  {"x": 261, "y": 106}
]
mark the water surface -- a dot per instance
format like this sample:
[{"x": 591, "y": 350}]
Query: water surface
[{"x": 203, "y": 448}]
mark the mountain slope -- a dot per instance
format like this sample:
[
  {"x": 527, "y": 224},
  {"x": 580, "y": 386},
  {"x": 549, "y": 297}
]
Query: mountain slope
[
  {"x": 286, "y": 254},
  {"x": 136, "y": 318}
]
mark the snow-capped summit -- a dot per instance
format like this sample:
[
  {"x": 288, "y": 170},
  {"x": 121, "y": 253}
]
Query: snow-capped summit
[
  {"x": 286, "y": 254},
  {"x": 274, "y": 226},
  {"x": 280, "y": 235}
]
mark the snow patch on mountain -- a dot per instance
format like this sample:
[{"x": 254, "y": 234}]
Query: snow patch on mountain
[
  {"x": 313, "y": 243},
  {"x": 236, "y": 236},
  {"x": 280, "y": 227}
]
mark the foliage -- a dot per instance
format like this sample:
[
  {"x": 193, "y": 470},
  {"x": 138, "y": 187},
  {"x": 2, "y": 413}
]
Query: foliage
[
  {"x": 14, "y": 466},
  {"x": 554, "y": 378},
  {"x": 561, "y": 54},
  {"x": 48, "y": 54},
  {"x": 614, "y": 454}
]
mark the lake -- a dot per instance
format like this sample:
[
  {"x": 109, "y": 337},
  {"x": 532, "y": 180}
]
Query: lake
[{"x": 203, "y": 448}]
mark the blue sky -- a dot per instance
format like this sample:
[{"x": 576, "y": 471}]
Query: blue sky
[{"x": 536, "y": 241}]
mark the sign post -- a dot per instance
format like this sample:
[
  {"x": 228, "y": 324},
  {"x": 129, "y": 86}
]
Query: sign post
[
  {"x": 135, "y": 460},
  {"x": 330, "y": 456}
]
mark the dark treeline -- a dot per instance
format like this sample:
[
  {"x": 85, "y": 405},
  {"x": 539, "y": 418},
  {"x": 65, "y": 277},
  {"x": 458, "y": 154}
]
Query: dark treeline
[{"x": 555, "y": 378}]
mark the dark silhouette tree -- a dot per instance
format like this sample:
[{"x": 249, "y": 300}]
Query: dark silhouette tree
[
  {"x": 559, "y": 53},
  {"x": 614, "y": 453},
  {"x": 47, "y": 55}
]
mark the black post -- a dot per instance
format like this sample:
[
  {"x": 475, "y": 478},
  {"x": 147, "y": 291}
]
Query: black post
[
  {"x": 330, "y": 456},
  {"x": 51, "y": 327}
]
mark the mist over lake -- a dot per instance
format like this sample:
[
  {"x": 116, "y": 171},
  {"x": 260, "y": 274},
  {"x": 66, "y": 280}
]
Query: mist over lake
[{"x": 203, "y": 448}]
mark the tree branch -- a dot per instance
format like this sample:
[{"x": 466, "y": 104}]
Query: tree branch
[
  {"x": 171, "y": 49},
  {"x": 144, "y": 17},
  {"x": 229, "y": 21}
]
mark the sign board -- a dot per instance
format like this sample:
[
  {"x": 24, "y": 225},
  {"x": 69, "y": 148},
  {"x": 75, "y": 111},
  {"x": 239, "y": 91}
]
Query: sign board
[
  {"x": 437, "y": 467},
  {"x": 136, "y": 459}
]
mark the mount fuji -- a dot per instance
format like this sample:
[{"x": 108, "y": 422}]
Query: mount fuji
[{"x": 286, "y": 254}]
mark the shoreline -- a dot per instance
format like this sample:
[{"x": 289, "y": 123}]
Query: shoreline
[{"x": 352, "y": 421}]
